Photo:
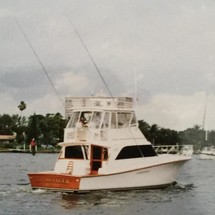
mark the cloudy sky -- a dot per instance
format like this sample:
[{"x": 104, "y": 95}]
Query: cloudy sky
[{"x": 168, "y": 45}]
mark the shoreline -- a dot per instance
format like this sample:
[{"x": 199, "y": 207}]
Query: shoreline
[{"x": 27, "y": 151}]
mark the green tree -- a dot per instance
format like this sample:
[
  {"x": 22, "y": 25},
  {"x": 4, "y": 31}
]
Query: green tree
[
  {"x": 193, "y": 136},
  {"x": 6, "y": 124},
  {"x": 47, "y": 130},
  {"x": 145, "y": 129},
  {"x": 154, "y": 131},
  {"x": 211, "y": 138},
  {"x": 52, "y": 127},
  {"x": 33, "y": 127},
  {"x": 168, "y": 137},
  {"x": 22, "y": 106},
  {"x": 19, "y": 126},
  {"x": 159, "y": 136}
]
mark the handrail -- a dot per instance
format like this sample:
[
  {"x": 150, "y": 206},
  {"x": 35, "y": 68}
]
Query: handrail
[{"x": 174, "y": 149}]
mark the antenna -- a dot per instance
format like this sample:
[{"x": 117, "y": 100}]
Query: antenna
[
  {"x": 135, "y": 89},
  {"x": 40, "y": 62}
]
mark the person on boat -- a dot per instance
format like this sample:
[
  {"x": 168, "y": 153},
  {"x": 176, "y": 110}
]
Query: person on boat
[
  {"x": 33, "y": 146},
  {"x": 83, "y": 119}
]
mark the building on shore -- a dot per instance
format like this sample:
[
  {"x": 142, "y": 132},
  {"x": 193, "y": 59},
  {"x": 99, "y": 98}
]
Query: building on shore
[{"x": 5, "y": 139}]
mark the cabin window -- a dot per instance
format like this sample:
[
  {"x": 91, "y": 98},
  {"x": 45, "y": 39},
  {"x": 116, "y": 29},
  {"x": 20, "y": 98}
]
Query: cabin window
[
  {"x": 123, "y": 119},
  {"x": 85, "y": 117},
  {"x": 74, "y": 152},
  {"x": 73, "y": 120},
  {"x": 105, "y": 123},
  {"x": 96, "y": 119},
  {"x": 133, "y": 120},
  {"x": 113, "y": 120},
  {"x": 136, "y": 152}
]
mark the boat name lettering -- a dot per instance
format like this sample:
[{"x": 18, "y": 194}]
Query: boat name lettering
[
  {"x": 57, "y": 180},
  {"x": 143, "y": 171}
]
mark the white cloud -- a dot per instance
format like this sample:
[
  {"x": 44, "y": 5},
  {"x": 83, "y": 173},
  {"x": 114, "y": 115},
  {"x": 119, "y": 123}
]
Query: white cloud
[
  {"x": 8, "y": 105},
  {"x": 46, "y": 104},
  {"x": 178, "y": 112},
  {"x": 5, "y": 12},
  {"x": 169, "y": 43},
  {"x": 72, "y": 83}
]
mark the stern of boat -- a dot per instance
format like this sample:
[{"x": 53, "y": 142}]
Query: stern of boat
[{"x": 54, "y": 181}]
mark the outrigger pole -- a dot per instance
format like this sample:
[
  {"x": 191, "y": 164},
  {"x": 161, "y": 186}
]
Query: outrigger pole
[
  {"x": 40, "y": 62},
  {"x": 90, "y": 56}
]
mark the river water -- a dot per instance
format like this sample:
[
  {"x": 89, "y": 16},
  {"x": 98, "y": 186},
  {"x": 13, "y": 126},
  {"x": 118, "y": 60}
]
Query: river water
[{"x": 194, "y": 194}]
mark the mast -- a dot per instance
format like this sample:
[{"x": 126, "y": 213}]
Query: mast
[
  {"x": 204, "y": 117},
  {"x": 135, "y": 89},
  {"x": 205, "y": 111}
]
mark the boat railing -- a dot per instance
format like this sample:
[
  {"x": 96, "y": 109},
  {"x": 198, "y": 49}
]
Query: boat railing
[
  {"x": 174, "y": 149},
  {"x": 98, "y": 102},
  {"x": 86, "y": 134}
]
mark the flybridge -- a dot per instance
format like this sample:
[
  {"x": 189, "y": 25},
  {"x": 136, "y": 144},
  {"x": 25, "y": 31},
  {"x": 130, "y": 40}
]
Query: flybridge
[{"x": 107, "y": 103}]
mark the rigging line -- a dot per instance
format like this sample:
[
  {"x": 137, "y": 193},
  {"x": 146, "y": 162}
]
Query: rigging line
[
  {"x": 40, "y": 62},
  {"x": 90, "y": 56}
]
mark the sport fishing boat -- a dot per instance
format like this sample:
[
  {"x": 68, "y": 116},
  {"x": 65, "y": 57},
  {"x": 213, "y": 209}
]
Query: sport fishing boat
[
  {"x": 104, "y": 149},
  {"x": 208, "y": 152}
]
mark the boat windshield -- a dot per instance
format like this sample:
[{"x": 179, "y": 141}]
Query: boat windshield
[
  {"x": 96, "y": 119},
  {"x": 82, "y": 117},
  {"x": 106, "y": 121},
  {"x": 73, "y": 120},
  {"x": 133, "y": 120},
  {"x": 85, "y": 117},
  {"x": 123, "y": 119}
]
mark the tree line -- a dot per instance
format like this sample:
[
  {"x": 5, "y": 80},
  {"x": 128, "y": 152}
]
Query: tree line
[
  {"x": 49, "y": 130},
  {"x": 195, "y": 136}
]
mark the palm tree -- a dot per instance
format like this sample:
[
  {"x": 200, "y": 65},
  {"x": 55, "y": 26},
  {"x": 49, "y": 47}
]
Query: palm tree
[
  {"x": 154, "y": 130},
  {"x": 22, "y": 106}
]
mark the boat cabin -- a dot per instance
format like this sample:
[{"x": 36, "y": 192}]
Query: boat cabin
[{"x": 99, "y": 133}]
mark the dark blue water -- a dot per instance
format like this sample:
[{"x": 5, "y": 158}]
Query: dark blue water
[{"x": 193, "y": 195}]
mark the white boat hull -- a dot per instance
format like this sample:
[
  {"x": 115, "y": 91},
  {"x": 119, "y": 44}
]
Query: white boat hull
[
  {"x": 150, "y": 177},
  {"x": 156, "y": 176}
]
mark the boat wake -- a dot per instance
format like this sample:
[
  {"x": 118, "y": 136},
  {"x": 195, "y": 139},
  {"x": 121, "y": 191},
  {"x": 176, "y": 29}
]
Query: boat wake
[
  {"x": 119, "y": 198},
  {"x": 8, "y": 189},
  {"x": 184, "y": 187},
  {"x": 39, "y": 191}
]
